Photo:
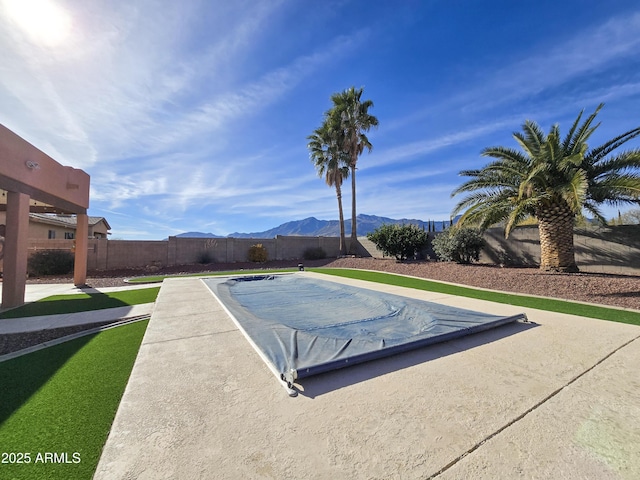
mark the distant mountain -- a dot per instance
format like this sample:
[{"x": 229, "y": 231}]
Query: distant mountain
[
  {"x": 199, "y": 235},
  {"x": 312, "y": 227},
  {"x": 308, "y": 227}
]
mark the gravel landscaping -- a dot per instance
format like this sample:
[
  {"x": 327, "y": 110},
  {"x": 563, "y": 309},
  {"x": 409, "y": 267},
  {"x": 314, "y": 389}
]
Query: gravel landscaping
[
  {"x": 614, "y": 290},
  {"x": 13, "y": 342}
]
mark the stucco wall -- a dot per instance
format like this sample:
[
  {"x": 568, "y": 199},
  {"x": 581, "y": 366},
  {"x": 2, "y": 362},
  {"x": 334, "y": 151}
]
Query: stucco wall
[
  {"x": 41, "y": 230},
  {"x": 598, "y": 249},
  {"x": 99, "y": 230}
]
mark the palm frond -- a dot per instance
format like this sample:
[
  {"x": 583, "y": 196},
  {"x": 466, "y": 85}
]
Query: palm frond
[
  {"x": 520, "y": 211},
  {"x": 584, "y": 131},
  {"x": 595, "y": 212},
  {"x": 569, "y": 141},
  {"x": 532, "y": 140},
  {"x": 575, "y": 192},
  {"x": 598, "y": 153},
  {"x": 504, "y": 153},
  {"x": 615, "y": 187},
  {"x": 626, "y": 160}
]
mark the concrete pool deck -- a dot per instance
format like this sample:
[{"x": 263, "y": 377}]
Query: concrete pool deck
[{"x": 557, "y": 398}]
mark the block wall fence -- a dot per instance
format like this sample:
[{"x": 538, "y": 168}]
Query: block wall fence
[
  {"x": 106, "y": 254},
  {"x": 610, "y": 249},
  {"x": 613, "y": 249}
]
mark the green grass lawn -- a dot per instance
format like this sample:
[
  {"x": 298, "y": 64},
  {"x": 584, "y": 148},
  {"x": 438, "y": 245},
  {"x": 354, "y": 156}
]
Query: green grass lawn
[
  {"x": 83, "y": 302},
  {"x": 62, "y": 400},
  {"x": 552, "y": 305}
]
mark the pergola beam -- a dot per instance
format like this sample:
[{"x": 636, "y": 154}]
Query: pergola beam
[{"x": 27, "y": 174}]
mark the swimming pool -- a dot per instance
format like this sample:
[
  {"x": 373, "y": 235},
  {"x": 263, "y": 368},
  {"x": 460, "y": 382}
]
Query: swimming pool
[{"x": 304, "y": 326}]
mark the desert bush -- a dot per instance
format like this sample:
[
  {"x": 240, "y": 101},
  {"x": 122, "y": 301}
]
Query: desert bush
[
  {"x": 257, "y": 253},
  {"x": 314, "y": 253},
  {"x": 50, "y": 262},
  {"x": 205, "y": 257},
  {"x": 399, "y": 241},
  {"x": 461, "y": 245}
]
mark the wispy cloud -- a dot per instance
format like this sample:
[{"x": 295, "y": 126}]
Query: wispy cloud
[
  {"x": 421, "y": 201},
  {"x": 408, "y": 152},
  {"x": 590, "y": 49},
  {"x": 112, "y": 89},
  {"x": 218, "y": 111},
  {"x": 534, "y": 74}
]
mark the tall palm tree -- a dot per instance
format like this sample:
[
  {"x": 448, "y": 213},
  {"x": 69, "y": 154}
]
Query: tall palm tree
[
  {"x": 553, "y": 180},
  {"x": 330, "y": 162},
  {"x": 352, "y": 113}
]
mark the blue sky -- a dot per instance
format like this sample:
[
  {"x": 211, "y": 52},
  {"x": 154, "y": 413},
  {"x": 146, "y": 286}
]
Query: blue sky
[{"x": 193, "y": 115}]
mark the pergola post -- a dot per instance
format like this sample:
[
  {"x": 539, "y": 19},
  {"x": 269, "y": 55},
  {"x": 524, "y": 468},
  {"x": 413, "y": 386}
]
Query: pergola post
[
  {"x": 15, "y": 250},
  {"x": 82, "y": 246}
]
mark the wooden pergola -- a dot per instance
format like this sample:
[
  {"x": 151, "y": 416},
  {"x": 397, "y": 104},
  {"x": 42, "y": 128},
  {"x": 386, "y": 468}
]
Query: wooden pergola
[{"x": 31, "y": 181}]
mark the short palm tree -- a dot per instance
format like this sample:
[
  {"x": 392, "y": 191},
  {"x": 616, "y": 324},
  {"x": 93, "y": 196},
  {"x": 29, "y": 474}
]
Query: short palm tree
[
  {"x": 352, "y": 113},
  {"x": 553, "y": 180},
  {"x": 330, "y": 162}
]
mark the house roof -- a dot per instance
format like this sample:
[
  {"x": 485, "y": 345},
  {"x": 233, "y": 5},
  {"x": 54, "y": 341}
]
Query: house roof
[
  {"x": 35, "y": 206},
  {"x": 66, "y": 220}
]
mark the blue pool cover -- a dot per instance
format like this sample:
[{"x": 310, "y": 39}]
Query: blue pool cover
[{"x": 304, "y": 326}]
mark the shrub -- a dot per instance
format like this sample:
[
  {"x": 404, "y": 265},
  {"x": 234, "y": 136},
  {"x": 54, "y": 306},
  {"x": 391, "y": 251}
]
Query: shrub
[
  {"x": 257, "y": 253},
  {"x": 461, "y": 245},
  {"x": 314, "y": 253},
  {"x": 399, "y": 241},
  {"x": 50, "y": 262},
  {"x": 205, "y": 257}
]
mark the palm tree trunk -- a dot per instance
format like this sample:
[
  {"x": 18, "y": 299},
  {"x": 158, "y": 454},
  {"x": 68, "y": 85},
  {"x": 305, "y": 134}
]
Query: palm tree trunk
[
  {"x": 354, "y": 233},
  {"x": 555, "y": 224},
  {"x": 341, "y": 214}
]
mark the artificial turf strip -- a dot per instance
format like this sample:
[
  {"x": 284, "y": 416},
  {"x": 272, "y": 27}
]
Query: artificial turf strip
[
  {"x": 552, "y": 305},
  {"x": 83, "y": 302},
  {"x": 62, "y": 400},
  {"x": 160, "y": 278}
]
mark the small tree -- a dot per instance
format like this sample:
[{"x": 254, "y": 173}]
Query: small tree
[
  {"x": 257, "y": 253},
  {"x": 461, "y": 245},
  {"x": 399, "y": 241}
]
